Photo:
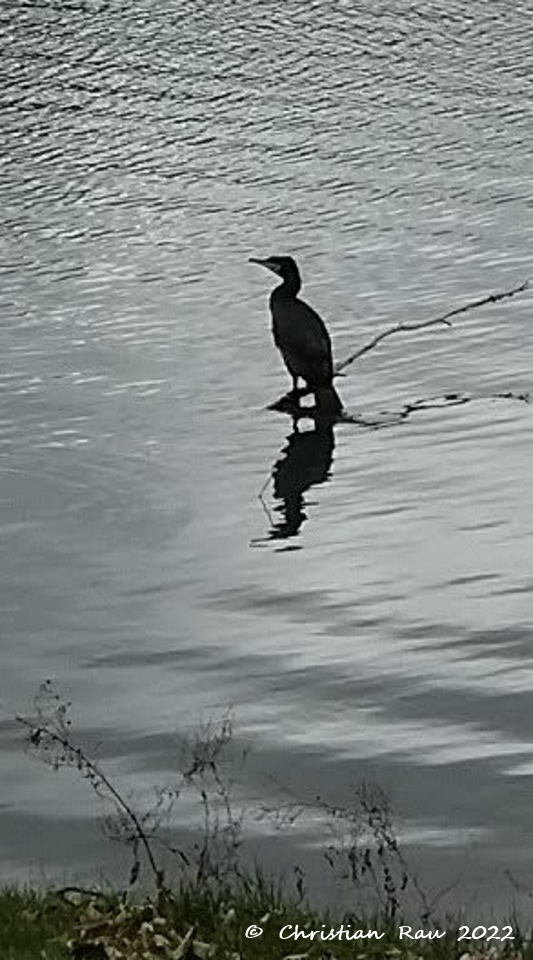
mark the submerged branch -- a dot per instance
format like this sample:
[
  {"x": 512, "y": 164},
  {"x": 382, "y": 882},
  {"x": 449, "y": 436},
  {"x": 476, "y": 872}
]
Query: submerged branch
[
  {"x": 390, "y": 418},
  {"x": 443, "y": 319}
]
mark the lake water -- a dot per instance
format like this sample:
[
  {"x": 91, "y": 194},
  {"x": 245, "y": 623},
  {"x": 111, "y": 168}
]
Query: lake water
[{"x": 375, "y": 620}]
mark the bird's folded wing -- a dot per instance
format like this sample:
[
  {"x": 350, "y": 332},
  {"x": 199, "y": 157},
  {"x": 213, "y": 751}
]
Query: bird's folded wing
[{"x": 302, "y": 330}]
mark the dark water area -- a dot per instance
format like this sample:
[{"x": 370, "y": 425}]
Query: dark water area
[{"x": 373, "y": 618}]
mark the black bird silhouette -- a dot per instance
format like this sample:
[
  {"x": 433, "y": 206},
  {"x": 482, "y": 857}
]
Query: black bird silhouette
[{"x": 302, "y": 338}]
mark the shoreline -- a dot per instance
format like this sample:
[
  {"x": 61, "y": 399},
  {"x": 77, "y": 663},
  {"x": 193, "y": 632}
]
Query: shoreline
[{"x": 251, "y": 919}]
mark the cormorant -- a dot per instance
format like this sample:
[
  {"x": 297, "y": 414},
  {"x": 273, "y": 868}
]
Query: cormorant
[{"x": 301, "y": 336}]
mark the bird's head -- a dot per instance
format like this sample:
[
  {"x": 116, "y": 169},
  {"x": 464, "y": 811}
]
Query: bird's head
[{"x": 284, "y": 267}]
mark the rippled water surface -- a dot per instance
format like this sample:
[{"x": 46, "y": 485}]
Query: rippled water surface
[{"x": 374, "y": 617}]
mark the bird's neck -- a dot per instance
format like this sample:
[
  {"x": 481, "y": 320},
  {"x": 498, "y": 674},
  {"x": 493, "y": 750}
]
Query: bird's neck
[{"x": 290, "y": 287}]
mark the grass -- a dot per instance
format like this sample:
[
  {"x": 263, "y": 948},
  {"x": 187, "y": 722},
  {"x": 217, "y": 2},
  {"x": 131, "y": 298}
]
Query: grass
[
  {"x": 204, "y": 923},
  {"x": 33, "y": 926}
]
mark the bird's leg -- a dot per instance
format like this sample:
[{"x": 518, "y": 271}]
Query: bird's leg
[{"x": 294, "y": 394}]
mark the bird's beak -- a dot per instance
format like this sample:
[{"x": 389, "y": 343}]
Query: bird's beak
[{"x": 262, "y": 263}]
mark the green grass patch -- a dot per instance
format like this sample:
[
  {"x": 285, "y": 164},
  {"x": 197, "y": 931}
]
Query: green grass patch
[
  {"x": 34, "y": 926},
  {"x": 206, "y": 923}
]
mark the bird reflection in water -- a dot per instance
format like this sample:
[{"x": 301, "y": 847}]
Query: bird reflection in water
[{"x": 304, "y": 462}]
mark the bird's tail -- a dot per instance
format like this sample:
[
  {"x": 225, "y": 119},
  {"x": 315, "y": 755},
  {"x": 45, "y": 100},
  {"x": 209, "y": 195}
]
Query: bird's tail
[{"x": 328, "y": 402}]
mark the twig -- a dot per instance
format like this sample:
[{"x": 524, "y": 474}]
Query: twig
[
  {"x": 443, "y": 319},
  {"x": 518, "y": 886},
  {"x": 41, "y": 730}
]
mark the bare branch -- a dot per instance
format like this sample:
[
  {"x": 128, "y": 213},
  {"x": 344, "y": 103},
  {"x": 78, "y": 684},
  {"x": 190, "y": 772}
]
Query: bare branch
[
  {"x": 50, "y": 734},
  {"x": 443, "y": 319}
]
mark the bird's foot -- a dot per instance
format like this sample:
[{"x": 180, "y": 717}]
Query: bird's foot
[
  {"x": 285, "y": 404},
  {"x": 296, "y": 394}
]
